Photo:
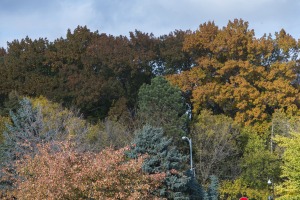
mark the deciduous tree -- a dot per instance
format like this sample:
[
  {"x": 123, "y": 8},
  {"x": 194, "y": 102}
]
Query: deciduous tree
[
  {"x": 216, "y": 148},
  {"x": 65, "y": 174},
  {"x": 244, "y": 77}
]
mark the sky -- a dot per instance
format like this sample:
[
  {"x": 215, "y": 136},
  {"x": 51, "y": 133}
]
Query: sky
[{"x": 52, "y": 18}]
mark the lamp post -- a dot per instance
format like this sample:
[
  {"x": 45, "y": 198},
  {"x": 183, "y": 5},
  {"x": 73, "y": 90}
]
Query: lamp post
[
  {"x": 272, "y": 188},
  {"x": 191, "y": 153},
  {"x": 270, "y": 182}
]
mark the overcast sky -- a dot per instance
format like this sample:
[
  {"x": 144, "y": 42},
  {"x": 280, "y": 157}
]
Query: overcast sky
[{"x": 51, "y": 18}]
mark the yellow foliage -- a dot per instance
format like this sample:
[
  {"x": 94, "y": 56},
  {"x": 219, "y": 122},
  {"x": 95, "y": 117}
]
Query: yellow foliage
[
  {"x": 3, "y": 121},
  {"x": 232, "y": 190},
  {"x": 289, "y": 189}
]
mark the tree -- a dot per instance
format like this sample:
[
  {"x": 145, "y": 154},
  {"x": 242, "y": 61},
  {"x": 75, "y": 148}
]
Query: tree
[
  {"x": 63, "y": 173},
  {"x": 24, "y": 133},
  {"x": 216, "y": 146},
  {"x": 172, "y": 58},
  {"x": 25, "y": 69},
  {"x": 30, "y": 126},
  {"x": 213, "y": 188},
  {"x": 258, "y": 162},
  {"x": 11, "y": 103},
  {"x": 162, "y": 105},
  {"x": 241, "y": 76},
  {"x": 86, "y": 69},
  {"x": 20, "y": 138},
  {"x": 290, "y": 187},
  {"x": 162, "y": 158}
]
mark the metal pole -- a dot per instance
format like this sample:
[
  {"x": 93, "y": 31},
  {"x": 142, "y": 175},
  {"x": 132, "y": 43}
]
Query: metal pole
[
  {"x": 272, "y": 135},
  {"x": 191, "y": 153}
]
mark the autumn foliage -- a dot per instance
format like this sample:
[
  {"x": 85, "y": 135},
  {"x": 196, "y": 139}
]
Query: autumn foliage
[
  {"x": 234, "y": 93},
  {"x": 237, "y": 74},
  {"x": 58, "y": 172}
]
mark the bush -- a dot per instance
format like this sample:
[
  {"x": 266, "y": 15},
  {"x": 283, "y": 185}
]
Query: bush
[{"x": 62, "y": 173}]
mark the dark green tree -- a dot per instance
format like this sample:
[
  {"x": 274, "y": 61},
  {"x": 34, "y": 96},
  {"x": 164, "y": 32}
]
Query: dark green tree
[
  {"x": 11, "y": 103},
  {"x": 172, "y": 58},
  {"x": 162, "y": 105}
]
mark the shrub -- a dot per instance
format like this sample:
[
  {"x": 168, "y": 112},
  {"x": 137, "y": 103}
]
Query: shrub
[{"x": 63, "y": 173}]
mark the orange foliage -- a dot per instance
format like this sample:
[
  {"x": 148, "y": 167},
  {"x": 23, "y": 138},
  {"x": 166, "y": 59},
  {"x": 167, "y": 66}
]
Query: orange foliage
[
  {"x": 239, "y": 75},
  {"x": 65, "y": 174}
]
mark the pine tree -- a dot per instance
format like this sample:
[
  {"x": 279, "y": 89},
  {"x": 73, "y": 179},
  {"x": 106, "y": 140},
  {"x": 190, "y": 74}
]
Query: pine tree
[{"x": 162, "y": 158}]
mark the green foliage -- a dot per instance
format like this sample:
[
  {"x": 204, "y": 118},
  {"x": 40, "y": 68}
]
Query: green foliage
[
  {"x": 162, "y": 105},
  {"x": 162, "y": 158},
  {"x": 216, "y": 146},
  {"x": 258, "y": 163},
  {"x": 289, "y": 189},
  {"x": 21, "y": 137},
  {"x": 68, "y": 124},
  {"x": 173, "y": 59},
  {"x": 229, "y": 71},
  {"x": 235, "y": 189},
  {"x": 12, "y": 103},
  {"x": 194, "y": 189}
]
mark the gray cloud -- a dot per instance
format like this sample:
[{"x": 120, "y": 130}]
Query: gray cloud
[{"x": 51, "y": 19}]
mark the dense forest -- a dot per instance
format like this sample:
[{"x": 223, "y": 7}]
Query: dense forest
[{"x": 96, "y": 116}]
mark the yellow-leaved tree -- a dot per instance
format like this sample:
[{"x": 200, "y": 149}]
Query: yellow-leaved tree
[{"x": 290, "y": 188}]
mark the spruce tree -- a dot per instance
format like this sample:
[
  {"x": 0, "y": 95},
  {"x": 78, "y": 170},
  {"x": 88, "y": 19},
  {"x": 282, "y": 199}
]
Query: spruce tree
[
  {"x": 23, "y": 134},
  {"x": 20, "y": 138},
  {"x": 212, "y": 191},
  {"x": 163, "y": 157}
]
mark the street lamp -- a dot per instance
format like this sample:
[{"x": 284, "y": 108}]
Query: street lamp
[
  {"x": 272, "y": 187},
  {"x": 191, "y": 153}
]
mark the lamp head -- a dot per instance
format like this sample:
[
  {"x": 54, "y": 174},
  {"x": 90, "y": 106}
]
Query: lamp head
[
  {"x": 184, "y": 138},
  {"x": 269, "y": 182}
]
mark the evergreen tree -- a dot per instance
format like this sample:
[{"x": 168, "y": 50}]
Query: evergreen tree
[
  {"x": 23, "y": 134},
  {"x": 162, "y": 158},
  {"x": 195, "y": 190},
  {"x": 20, "y": 138},
  {"x": 212, "y": 192},
  {"x": 162, "y": 105}
]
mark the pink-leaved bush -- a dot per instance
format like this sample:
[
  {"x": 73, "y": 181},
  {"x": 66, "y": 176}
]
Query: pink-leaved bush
[{"x": 66, "y": 174}]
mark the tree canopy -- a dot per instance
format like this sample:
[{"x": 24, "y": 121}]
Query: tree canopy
[{"x": 237, "y": 74}]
